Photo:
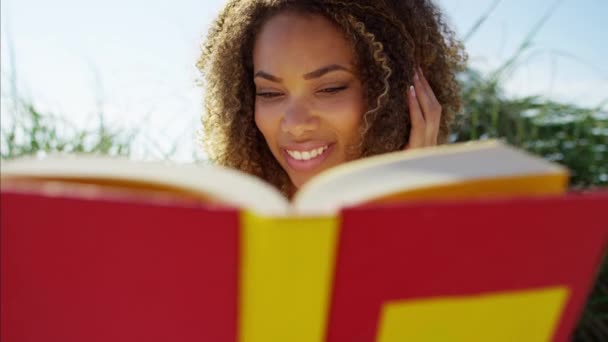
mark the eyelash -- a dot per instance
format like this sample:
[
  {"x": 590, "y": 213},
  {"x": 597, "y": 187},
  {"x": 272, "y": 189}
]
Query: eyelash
[
  {"x": 332, "y": 90},
  {"x": 268, "y": 95}
]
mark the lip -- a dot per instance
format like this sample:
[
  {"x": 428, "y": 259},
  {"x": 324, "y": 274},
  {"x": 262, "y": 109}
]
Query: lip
[
  {"x": 305, "y": 146},
  {"x": 304, "y": 165}
]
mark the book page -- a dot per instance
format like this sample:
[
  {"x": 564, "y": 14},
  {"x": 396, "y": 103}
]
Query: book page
[
  {"x": 209, "y": 183},
  {"x": 374, "y": 178}
]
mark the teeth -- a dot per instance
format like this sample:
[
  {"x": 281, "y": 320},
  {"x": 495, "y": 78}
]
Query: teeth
[{"x": 307, "y": 155}]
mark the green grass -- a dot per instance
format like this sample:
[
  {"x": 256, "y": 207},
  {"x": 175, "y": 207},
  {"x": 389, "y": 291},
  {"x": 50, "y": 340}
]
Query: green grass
[
  {"x": 31, "y": 132},
  {"x": 573, "y": 136}
]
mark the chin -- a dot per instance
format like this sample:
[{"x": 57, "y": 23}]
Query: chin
[
  {"x": 298, "y": 182},
  {"x": 298, "y": 179}
]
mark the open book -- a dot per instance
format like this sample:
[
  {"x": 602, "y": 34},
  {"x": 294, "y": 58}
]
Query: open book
[
  {"x": 466, "y": 242},
  {"x": 478, "y": 169}
]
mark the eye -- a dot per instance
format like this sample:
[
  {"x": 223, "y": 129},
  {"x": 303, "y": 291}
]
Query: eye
[
  {"x": 268, "y": 95},
  {"x": 333, "y": 90}
]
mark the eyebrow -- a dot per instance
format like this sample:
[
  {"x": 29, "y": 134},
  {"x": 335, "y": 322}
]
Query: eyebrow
[{"x": 313, "y": 74}]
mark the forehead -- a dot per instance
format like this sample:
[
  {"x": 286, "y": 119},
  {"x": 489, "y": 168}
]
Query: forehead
[{"x": 302, "y": 41}]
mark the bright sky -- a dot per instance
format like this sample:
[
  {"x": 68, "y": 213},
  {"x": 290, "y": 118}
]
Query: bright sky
[{"x": 134, "y": 59}]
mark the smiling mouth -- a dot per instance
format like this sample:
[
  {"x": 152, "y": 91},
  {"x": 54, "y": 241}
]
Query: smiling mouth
[
  {"x": 307, "y": 155},
  {"x": 302, "y": 160}
]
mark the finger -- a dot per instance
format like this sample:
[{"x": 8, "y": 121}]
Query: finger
[
  {"x": 427, "y": 86},
  {"x": 426, "y": 97},
  {"x": 417, "y": 132},
  {"x": 433, "y": 103},
  {"x": 430, "y": 107}
]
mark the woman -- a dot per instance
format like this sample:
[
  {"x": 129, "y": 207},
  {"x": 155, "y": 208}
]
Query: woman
[{"x": 294, "y": 87}]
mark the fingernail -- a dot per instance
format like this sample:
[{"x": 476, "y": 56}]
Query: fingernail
[
  {"x": 413, "y": 91},
  {"x": 416, "y": 76}
]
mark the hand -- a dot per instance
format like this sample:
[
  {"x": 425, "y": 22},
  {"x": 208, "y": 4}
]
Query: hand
[{"x": 425, "y": 113}]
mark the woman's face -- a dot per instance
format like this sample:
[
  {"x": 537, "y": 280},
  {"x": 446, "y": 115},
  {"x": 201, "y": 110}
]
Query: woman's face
[{"x": 309, "y": 99}]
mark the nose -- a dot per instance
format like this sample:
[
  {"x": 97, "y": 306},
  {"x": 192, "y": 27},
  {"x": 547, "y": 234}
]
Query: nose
[{"x": 298, "y": 120}]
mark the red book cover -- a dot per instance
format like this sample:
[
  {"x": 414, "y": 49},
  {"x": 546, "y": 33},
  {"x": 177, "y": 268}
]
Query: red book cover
[
  {"x": 100, "y": 270},
  {"x": 75, "y": 269},
  {"x": 458, "y": 249}
]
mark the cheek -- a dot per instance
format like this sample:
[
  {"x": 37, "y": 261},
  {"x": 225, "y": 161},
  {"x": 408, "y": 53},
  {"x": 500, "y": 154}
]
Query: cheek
[
  {"x": 265, "y": 122},
  {"x": 346, "y": 116}
]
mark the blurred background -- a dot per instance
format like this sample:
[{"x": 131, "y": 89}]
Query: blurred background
[
  {"x": 118, "y": 77},
  {"x": 128, "y": 66}
]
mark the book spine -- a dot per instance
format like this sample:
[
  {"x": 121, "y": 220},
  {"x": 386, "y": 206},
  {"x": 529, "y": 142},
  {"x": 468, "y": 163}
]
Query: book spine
[{"x": 286, "y": 277}]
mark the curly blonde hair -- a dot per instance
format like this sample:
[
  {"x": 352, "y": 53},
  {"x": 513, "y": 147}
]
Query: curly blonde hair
[{"x": 389, "y": 37}]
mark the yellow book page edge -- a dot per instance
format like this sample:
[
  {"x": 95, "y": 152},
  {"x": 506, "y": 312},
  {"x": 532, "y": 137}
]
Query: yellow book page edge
[{"x": 533, "y": 185}]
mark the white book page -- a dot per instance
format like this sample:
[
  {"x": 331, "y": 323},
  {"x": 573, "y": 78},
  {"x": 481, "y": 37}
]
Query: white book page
[
  {"x": 222, "y": 184},
  {"x": 359, "y": 181}
]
